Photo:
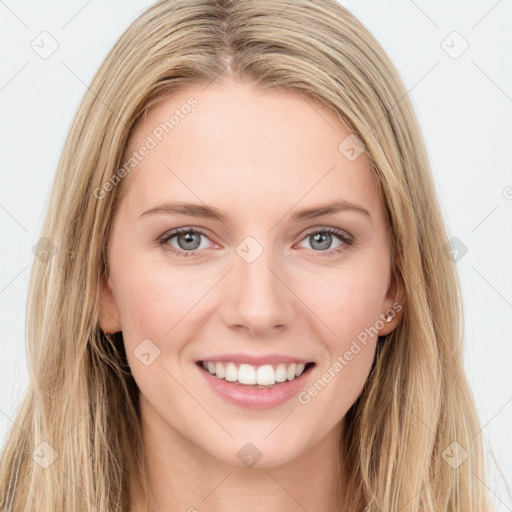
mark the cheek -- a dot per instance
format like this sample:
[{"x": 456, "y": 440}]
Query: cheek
[
  {"x": 160, "y": 303},
  {"x": 338, "y": 383},
  {"x": 141, "y": 309},
  {"x": 151, "y": 293},
  {"x": 154, "y": 304},
  {"x": 348, "y": 303},
  {"x": 142, "y": 298}
]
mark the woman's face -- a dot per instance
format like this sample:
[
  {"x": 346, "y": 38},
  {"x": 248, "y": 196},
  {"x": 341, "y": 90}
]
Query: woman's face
[{"x": 265, "y": 273}]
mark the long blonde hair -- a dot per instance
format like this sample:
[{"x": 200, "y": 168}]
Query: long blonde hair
[{"x": 77, "y": 436}]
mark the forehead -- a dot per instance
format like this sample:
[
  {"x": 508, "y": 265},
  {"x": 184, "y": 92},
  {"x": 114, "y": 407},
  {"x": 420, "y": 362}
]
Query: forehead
[
  {"x": 222, "y": 142},
  {"x": 240, "y": 110}
]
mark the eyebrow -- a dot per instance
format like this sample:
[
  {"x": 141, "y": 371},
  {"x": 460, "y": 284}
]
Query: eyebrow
[{"x": 209, "y": 212}]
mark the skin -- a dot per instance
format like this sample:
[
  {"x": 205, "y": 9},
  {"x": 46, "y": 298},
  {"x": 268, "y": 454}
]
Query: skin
[{"x": 257, "y": 156}]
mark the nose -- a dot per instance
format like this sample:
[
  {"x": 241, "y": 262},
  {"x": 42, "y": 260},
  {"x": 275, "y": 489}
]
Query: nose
[{"x": 258, "y": 297}]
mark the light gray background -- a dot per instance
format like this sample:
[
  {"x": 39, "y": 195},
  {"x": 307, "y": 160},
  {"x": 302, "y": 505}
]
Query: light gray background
[{"x": 464, "y": 104}]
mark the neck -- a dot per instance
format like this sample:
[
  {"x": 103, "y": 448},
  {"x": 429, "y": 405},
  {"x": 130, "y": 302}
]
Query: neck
[{"x": 182, "y": 476}]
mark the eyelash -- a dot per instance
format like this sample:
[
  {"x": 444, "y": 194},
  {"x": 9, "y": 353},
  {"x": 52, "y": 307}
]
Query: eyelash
[{"x": 347, "y": 240}]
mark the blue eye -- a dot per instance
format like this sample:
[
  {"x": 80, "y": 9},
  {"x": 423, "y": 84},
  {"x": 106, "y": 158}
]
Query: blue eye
[
  {"x": 323, "y": 237},
  {"x": 188, "y": 241},
  {"x": 186, "y": 237}
]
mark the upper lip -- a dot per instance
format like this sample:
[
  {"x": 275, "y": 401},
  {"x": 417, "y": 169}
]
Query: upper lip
[{"x": 255, "y": 360}]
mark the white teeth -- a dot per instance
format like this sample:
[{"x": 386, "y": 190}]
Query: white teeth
[
  {"x": 265, "y": 375},
  {"x": 219, "y": 370},
  {"x": 246, "y": 374},
  {"x": 231, "y": 372},
  {"x": 299, "y": 369},
  {"x": 290, "y": 372},
  {"x": 281, "y": 372}
]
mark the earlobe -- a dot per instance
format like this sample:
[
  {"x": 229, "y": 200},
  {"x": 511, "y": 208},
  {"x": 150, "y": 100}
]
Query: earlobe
[
  {"x": 109, "y": 315},
  {"x": 393, "y": 305}
]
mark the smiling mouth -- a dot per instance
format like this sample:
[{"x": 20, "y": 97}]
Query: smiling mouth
[{"x": 247, "y": 375}]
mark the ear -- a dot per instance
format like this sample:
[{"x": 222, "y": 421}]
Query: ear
[
  {"x": 109, "y": 315},
  {"x": 393, "y": 305}
]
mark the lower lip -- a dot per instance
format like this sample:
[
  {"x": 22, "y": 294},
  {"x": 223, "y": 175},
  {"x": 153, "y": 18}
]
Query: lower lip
[{"x": 255, "y": 398}]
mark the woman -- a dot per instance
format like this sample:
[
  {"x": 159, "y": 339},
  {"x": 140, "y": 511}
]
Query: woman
[{"x": 305, "y": 351}]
